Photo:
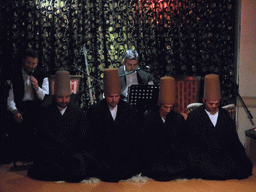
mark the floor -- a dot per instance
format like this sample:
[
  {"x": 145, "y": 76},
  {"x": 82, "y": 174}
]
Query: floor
[{"x": 15, "y": 180}]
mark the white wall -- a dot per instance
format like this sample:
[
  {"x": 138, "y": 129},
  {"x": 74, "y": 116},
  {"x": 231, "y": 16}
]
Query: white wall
[{"x": 247, "y": 66}]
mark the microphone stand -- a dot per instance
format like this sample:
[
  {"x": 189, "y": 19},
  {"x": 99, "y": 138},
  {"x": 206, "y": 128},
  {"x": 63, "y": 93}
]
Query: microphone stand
[
  {"x": 99, "y": 82},
  {"x": 87, "y": 70},
  {"x": 246, "y": 110},
  {"x": 88, "y": 75},
  {"x": 251, "y": 133},
  {"x": 250, "y": 117},
  {"x": 124, "y": 74}
]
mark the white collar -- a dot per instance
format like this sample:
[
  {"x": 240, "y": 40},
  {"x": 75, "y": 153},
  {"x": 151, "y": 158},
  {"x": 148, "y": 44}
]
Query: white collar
[
  {"x": 111, "y": 109},
  {"x": 113, "y": 112},
  {"x": 62, "y": 111},
  {"x": 215, "y": 114},
  {"x": 213, "y": 117}
]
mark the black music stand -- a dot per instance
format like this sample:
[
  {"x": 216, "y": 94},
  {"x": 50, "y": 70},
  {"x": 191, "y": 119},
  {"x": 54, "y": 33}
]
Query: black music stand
[{"x": 143, "y": 97}]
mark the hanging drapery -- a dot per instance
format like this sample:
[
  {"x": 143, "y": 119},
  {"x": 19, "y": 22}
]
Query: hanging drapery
[{"x": 173, "y": 37}]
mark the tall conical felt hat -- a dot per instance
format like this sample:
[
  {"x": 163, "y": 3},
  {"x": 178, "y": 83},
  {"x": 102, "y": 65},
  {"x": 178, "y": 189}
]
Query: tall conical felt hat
[
  {"x": 111, "y": 81},
  {"x": 167, "y": 90},
  {"x": 62, "y": 83},
  {"x": 212, "y": 87}
]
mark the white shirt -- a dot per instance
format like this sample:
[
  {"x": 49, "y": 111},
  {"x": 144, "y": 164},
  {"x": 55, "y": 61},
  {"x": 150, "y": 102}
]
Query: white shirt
[
  {"x": 113, "y": 112},
  {"x": 131, "y": 79},
  {"x": 62, "y": 111},
  {"x": 28, "y": 91},
  {"x": 213, "y": 117}
]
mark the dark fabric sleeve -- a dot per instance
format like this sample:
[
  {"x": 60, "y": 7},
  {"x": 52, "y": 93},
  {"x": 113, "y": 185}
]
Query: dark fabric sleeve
[{"x": 144, "y": 77}]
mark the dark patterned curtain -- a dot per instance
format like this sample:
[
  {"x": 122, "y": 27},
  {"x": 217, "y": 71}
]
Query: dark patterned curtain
[{"x": 173, "y": 37}]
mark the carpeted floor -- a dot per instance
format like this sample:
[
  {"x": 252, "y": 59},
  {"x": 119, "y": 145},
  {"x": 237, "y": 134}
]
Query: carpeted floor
[{"x": 15, "y": 180}]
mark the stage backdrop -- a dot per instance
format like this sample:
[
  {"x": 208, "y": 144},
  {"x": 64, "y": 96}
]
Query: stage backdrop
[{"x": 173, "y": 37}]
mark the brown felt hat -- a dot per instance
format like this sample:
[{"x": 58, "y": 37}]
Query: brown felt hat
[
  {"x": 212, "y": 87},
  {"x": 62, "y": 83},
  {"x": 111, "y": 81},
  {"x": 167, "y": 90}
]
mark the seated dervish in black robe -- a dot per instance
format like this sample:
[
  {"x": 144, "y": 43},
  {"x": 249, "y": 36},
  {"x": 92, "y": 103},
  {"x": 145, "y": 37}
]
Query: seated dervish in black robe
[
  {"x": 163, "y": 158},
  {"x": 58, "y": 152},
  {"x": 215, "y": 152},
  {"x": 114, "y": 144}
]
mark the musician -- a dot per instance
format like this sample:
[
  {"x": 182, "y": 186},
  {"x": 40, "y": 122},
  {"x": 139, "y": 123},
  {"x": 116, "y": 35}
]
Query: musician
[
  {"x": 29, "y": 85},
  {"x": 130, "y": 63}
]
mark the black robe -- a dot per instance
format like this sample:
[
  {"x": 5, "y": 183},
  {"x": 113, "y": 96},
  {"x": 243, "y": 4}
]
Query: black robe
[
  {"x": 163, "y": 146},
  {"x": 58, "y": 152},
  {"x": 215, "y": 152},
  {"x": 114, "y": 143}
]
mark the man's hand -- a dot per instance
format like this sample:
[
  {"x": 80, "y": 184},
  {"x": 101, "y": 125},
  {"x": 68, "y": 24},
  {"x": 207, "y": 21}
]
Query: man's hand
[
  {"x": 34, "y": 83},
  {"x": 17, "y": 116}
]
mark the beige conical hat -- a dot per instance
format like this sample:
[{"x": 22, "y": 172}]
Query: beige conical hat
[
  {"x": 111, "y": 81},
  {"x": 167, "y": 90},
  {"x": 212, "y": 87},
  {"x": 62, "y": 83}
]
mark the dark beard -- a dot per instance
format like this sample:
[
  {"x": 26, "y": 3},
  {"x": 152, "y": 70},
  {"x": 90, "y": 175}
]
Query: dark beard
[{"x": 62, "y": 105}]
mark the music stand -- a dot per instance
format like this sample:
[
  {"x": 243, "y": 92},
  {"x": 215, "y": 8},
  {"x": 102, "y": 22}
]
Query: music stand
[{"x": 143, "y": 97}]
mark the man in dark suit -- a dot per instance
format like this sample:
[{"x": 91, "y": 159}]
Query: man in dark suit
[
  {"x": 214, "y": 149},
  {"x": 130, "y": 64}
]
